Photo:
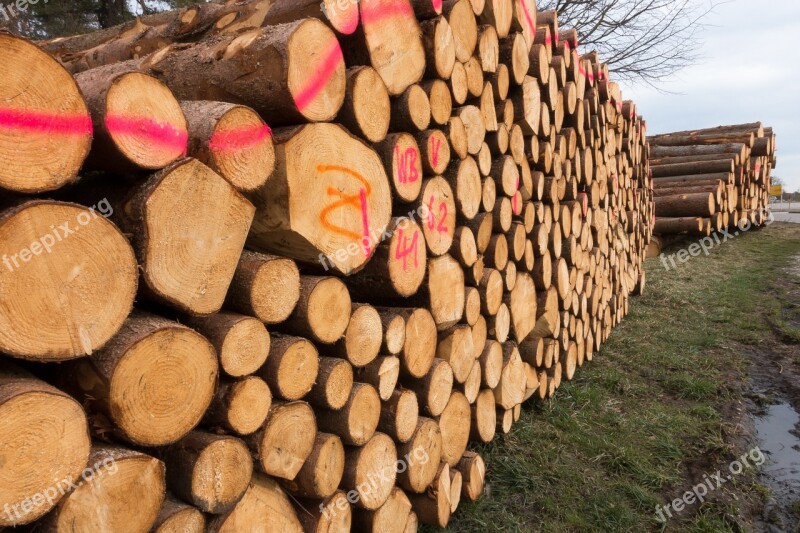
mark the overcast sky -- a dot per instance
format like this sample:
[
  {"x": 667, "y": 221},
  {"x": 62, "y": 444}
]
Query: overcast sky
[{"x": 748, "y": 73}]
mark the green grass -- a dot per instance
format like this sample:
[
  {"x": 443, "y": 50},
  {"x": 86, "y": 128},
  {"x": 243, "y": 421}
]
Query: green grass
[{"x": 620, "y": 439}]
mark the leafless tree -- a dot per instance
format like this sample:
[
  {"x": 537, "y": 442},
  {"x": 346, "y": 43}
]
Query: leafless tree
[{"x": 641, "y": 40}]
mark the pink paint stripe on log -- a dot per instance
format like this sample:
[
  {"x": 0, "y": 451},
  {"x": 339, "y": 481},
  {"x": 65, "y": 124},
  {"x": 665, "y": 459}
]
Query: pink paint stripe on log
[
  {"x": 528, "y": 19},
  {"x": 160, "y": 133},
  {"x": 320, "y": 79},
  {"x": 437, "y": 6},
  {"x": 375, "y": 14},
  {"x": 239, "y": 138},
  {"x": 43, "y": 122},
  {"x": 365, "y": 222}
]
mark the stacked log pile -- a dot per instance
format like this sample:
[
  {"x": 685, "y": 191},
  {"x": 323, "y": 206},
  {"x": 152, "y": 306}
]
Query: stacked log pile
[
  {"x": 710, "y": 179},
  {"x": 270, "y": 267}
]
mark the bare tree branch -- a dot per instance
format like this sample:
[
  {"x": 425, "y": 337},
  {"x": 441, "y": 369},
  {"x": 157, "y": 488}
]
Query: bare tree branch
[{"x": 642, "y": 41}]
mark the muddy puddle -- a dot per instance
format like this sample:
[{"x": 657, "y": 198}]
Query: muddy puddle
[{"x": 778, "y": 433}]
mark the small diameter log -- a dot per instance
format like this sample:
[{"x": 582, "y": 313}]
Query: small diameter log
[
  {"x": 441, "y": 103},
  {"x": 398, "y": 265},
  {"x": 437, "y": 205},
  {"x": 434, "y": 151},
  {"x": 138, "y": 124},
  {"x": 498, "y": 13},
  {"x": 321, "y": 473},
  {"x": 232, "y": 140},
  {"x": 363, "y": 337},
  {"x": 239, "y": 406},
  {"x": 454, "y": 424},
  {"x": 47, "y": 321},
  {"x": 394, "y": 332},
  {"x": 473, "y": 473},
  {"x": 330, "y": 515},
  {"x": 153, "y": 380},
  {"x": 264, "y": 286},
  {"x": 434, "y": 507},
  {"x": 444, "y": 287},
  {"x": 333, "y": 385},
  {"x": 389, "y": 38},
  {"x": 178, "y": 517},
  {"x": 401, "y": 158},
  {"x": 465, "y": 28},
  {"x": 391, "y": 517},
  {"x": 433, "y": 391},
  {"x": 465, "y": 180},
  {"x": 411, "y": 111},
  {"x": 306, "y": 83},
  {"x": 242, "y": 342},
  {"x": 521, "y": 303},
  {"x": 685, "y": 205},
  {"x": 118, "y": 476},
  {"x": 343, "y": 17},
  {"x": 419, "y": 348},
  {"x": 291, "y": 367},
  {"x": 264, "y": 507},
  {"x": 440, "y": 49},
  {"x": 286, "y": 440},
  {"x": 32, "y": 411},
  {"x": 177, "y": 235},
  {"x": 421, "y": 455},
  {"x": 323, "y": 311},
  {"x": 211, "y": 472},
  {"x": 329, "y": 193},
  {"x": 367, "y": 109},
  {"x": 371, "y": 471},
  {"x": 491, "y": 361},
  {"x": 511, "y": 388},
  {"x": 483, "y": 423},
  {"x": 382, "y": 374},
  {"x": 47, "y": 132},
  {"x": 357, "y": 421},
  {"x": 399, "y": 415},
  {"x": 668, "y": 226},
  {"x": 455, "y": 347}
]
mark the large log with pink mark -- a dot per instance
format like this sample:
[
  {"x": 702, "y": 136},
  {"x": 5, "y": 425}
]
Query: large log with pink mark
[
  {"x": 289, "y": 73},
  {"x": 45, "y": 128},
  {"x": 328, "y": 201}
]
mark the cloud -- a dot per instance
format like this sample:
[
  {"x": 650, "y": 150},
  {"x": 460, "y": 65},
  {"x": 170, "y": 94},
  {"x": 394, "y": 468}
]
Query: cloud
[{"x": 747, "y": 75}]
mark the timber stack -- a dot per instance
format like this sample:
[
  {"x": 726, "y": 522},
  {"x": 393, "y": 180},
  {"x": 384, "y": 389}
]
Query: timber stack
[
  {"x": 312, "y": 255},
  {"x": 712, "y": 179}
]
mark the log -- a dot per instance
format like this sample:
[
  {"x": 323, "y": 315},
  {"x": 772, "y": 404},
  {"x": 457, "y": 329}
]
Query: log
[
  {"x": 422, "y": 454},
  {"x": 322, "y": 471},
  {"x": 264, "y": 506},
  {"x": 285, "y": 441},
  {"x": 680, "y": 205},
  {"x": 392, "y": 516},
  {"x": 304, "y": 85},
  {"x": 212, "y": 472},
  {"x": 242, "y": 343},
  {"x": 370, "y": 470},
  {"x": 291, "y": 367},
  {"x": 454, "y": 424},
  {"x": 329, "y": 193},
  {"x": 264, "y": 286},
  {"x": 323, "y": 310},
  {"x": 47, "y": 132},
  {"x": 116, "y": 474},
  {"x": 47, "y": 322},
  {"x": 176, "y": 517},
  {"x": 33, "y": 411},
  {"x": 239, "y": 406},
  {"x": 153, "y": 380},
  {"x": 232, "y": 140},
  {"x": 366, "y": 110},
  {"x": 357, "y": 421},
  {"x": 399, "y": 415},
  {"x": 333, "y": 385}
]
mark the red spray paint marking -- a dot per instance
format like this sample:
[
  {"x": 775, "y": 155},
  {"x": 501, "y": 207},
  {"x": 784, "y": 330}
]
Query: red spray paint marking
[
  {"x": 48, "y": 123},
  {"x": 160, "y": 133},
  {"x": 365, "y": 221},
  {"x": 528, "y": 18},
  {"x": 320, "y": 79},
  {"x": 404, "y": 249},
  {"x": 435, "y": 145},
  {"x": 437, "y": 6},
  {"x": 374, "y": 14},
  {"x": 406, "y": 164},
  {"x": 239, "y": 138}
]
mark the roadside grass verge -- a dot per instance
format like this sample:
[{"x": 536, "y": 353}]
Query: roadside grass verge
[{"x": 650, "y": 415}]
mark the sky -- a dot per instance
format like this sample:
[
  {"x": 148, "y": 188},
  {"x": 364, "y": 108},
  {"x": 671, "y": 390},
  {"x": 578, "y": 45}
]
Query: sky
[{"x": 747, "y": 74}]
